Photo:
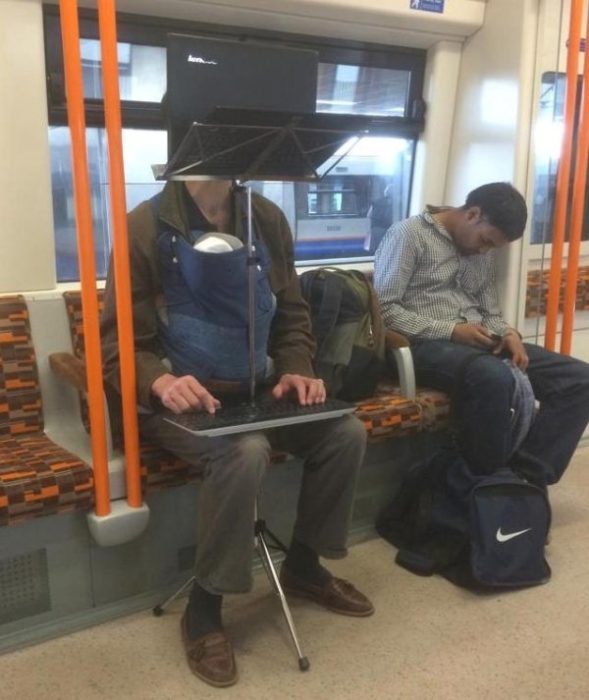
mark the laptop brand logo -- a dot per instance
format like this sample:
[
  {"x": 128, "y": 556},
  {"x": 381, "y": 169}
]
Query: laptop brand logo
[
  {"x": 200, "y": 59},
  {"x": 505, "y": 537}
]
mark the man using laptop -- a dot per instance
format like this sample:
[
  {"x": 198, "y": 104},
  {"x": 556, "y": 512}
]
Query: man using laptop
[{"x": 191, "y": 351}]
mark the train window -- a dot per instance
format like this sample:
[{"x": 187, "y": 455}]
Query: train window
[
  {"x": 547, "y": 147},
  {"x": 349, "y": 89},
  {"x": 331, "y": 220},
  {"x": 142, "y": 71},
  {"x": 140, "y": 148}
]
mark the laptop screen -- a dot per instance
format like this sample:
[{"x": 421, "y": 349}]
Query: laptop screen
[{"x": 205, "y": 73}]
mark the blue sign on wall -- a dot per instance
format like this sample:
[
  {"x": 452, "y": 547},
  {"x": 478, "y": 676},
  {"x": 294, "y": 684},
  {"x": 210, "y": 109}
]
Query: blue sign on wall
[{"x": 427, "y": 5}]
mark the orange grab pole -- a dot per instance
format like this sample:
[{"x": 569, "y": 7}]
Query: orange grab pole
[
  {"x": 112, "y": 108},
  {"x": 75, "y": 108},
  {"x": 582, "y": 157},
  {"x": 562, "y": 180}
]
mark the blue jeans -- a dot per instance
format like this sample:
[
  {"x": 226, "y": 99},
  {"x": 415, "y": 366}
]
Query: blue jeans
[{"x": 481, "y": 406}]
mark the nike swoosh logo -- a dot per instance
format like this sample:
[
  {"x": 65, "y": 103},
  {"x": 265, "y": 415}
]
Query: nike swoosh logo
[{"x": 501, "y": 537}]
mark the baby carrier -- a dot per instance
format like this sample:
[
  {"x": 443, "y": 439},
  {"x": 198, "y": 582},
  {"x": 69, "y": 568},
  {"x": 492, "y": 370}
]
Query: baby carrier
[{"x": 204, "y": 322}]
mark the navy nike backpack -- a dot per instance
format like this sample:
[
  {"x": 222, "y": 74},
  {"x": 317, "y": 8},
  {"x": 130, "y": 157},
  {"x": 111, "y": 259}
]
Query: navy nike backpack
[
  {"x": 477, "y": 531},
  {"x": 508, "y": 522}
]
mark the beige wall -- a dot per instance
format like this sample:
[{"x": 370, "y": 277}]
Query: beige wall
[
  {"x": 491, "y": 129},
  {"x": 26, "y": 227},
  {"x": 382, "y": 21},
  {"x": 431, "y": 163}
]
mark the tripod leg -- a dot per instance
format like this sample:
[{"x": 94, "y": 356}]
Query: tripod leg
[
  {"x": 274, "y": 541},
  {"x": 159, "y": 609},
  {"x": 271, "y": 571}
]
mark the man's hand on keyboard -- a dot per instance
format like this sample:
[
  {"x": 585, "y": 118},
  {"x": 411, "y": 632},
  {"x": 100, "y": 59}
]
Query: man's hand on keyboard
[
  {"x": 308, "y": 391},
  {"x": 181, "y": 394}
]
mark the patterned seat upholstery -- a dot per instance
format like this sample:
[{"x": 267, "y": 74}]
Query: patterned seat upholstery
[
  {"x": 37, "y": 477},
  {"x": 537, "y": 291},
  {"x": 386, "y": 415},
  {"x": 389, "y": 414},
  {"x": 73, "y": 305}
]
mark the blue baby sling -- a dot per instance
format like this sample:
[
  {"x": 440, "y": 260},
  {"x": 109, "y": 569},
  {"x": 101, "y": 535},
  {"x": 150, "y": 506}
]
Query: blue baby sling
[{"x": 204, "y": 329}]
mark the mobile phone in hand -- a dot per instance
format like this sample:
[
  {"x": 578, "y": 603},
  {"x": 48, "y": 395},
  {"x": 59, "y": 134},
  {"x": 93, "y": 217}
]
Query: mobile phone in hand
[{"x": 496, "y": 337}]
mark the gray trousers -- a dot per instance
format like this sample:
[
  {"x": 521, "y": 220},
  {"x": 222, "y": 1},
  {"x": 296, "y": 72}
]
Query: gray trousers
[{"x": 233, "y": 467}]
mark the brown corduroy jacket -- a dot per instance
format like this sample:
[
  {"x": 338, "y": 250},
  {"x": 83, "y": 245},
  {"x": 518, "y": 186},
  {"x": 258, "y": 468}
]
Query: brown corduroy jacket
[{"x": 291, "y": 344}]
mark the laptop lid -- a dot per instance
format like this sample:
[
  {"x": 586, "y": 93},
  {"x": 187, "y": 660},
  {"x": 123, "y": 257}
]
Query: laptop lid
[{"x": 204, "y": 73}]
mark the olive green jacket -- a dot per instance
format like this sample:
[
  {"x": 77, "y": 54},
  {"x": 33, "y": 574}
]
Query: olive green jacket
[{"x": 291, "y": 344}]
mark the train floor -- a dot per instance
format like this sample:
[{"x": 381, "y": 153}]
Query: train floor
[{"x": 428, "y": 639}]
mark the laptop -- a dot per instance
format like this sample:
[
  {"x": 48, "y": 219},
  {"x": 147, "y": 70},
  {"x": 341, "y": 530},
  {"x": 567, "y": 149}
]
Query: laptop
[
  {"x": 239, "y": 415},
  {"x": 204, "y": 73}
]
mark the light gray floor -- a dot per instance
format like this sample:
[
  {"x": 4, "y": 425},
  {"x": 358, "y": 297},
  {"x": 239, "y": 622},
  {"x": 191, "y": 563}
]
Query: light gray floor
[{"x": 427, "y": 639}]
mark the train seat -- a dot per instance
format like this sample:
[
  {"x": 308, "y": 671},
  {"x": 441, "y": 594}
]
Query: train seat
[
  {"x": 37, "y": 476},
  {"x": 388, "y": 414}
]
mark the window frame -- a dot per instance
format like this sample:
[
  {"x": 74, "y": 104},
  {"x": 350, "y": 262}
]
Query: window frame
[{"x": 152, "y": 31}]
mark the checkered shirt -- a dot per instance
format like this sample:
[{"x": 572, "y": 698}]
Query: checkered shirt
[{"x": 426, "y": 287}]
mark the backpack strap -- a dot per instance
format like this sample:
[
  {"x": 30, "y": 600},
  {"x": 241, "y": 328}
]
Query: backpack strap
[
  {"x": 331, "y": 300},
  {"x": 378, "y": 328}
]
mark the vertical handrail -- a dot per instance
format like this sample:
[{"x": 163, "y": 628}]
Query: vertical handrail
[
  {"x": 562, "y": 179},
  {"x": 112, "y": 111},
  {"x": 85, "y": 238},
  {"x": 581, "y": 160}
]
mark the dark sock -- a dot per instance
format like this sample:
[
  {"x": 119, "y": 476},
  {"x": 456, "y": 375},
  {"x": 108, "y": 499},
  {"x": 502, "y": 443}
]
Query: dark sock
[
  {"x": 204, "y": 612},
  {"x": 304, "y": 563}
]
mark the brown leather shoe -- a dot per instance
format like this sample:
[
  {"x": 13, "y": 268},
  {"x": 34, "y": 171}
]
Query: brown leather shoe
[
  {"x": 335, "y": 594},
  {"x": 210, "y": 657}
]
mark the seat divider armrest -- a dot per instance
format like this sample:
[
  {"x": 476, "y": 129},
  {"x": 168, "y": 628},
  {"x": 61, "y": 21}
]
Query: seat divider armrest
[
  {"x": 73, "y": 370},
  {"x": 70, "y": 368},
  {"x": 404, "y": 361}
]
